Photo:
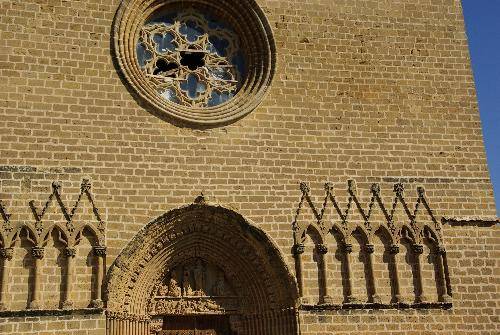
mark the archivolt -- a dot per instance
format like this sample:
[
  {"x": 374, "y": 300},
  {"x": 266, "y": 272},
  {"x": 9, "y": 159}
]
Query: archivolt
[{"x": 246, "y": 254}]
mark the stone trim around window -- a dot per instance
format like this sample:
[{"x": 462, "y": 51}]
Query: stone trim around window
[{"x": 195, "y": 79}]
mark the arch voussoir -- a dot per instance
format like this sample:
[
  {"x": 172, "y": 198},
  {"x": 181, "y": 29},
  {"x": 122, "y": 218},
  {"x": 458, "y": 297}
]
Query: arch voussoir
[{"x": 172, "y": 260}]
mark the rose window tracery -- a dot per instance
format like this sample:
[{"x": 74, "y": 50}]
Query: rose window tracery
[{"x": 191, "y": 59}]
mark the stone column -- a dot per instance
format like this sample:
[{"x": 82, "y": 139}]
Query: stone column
[
  {"x": 70, "y": 256},
  {"x": 349, "y": 299},
  {"x": 38, "y": 253},
  {"x": 298, "y": 250},
  {"x": 441, "y": 254},
  {"x": 6, "y": 254},
  {"x": 418, "y": 250},
  {"x": 100, "y": 252},
  {"x": 373, "y": 296},
  {"x": 394, "y": 251},
  {"x": 323, "y": 274}
]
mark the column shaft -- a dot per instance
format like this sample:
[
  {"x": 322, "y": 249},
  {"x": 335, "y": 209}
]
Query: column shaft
[
  {"x": 419, "y": 290},
  {"x": 441, "y": 254},
  {"x": 6, "y": 254},
  {"x": 323, "y": 274},
  {"x": 70, "y": 255},
  {"x": 38, "y": 253},
  {"x": 394, "y": 250},
  {"x": 349, "y": 298},
  {"x": 100, "y": 252},
  {"x": 298, "y": 250},
  {"x": 373, "y": 297}
]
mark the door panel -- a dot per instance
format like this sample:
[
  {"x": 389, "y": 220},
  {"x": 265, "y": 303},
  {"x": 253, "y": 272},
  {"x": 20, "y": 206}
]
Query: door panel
[{"x": 196, "y": 325}]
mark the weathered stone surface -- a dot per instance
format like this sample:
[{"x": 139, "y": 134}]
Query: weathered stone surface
[{"x": 379, "y": 92}]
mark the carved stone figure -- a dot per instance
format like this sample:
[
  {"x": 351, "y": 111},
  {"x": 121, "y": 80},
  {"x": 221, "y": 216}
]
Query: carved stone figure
[
  {"x": 186, "y": 283},
  {"x": 173, "y": 288},
  {"x": 219, "y": 288},
  {"x": 199, "y": 278}
]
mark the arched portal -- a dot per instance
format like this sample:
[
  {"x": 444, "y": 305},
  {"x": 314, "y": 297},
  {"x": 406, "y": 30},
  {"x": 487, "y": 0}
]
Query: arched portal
[{"x": 199, "y": 266}]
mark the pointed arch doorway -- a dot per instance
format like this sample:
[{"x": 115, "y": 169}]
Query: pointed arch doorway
[{"x": 199, "y": 270}]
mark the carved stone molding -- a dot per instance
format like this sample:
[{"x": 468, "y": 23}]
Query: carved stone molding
[
  {"x": 249, "y": 23},
  {"x": 479, "y": 221},
  {"x": 298, "y": 249},
  {"x": 418, "y": 249},
  {"x": 396, "y": 221},
  {"x": 100, "y": 251},
  {"x": 414, "y": 215},
  {"x": 7, "y": 253},
  {"x": 369, "y": 248},
  {"x": 38, "y": 253},
  {"x": 70, "y": 252},
  {"x": 68, "y": 231},
  {"x": 347, "y": 248},
  {"x": 200, "y": 259},
  {"x": 394, "y": 249},
  {"x": 322, "y": 249}
]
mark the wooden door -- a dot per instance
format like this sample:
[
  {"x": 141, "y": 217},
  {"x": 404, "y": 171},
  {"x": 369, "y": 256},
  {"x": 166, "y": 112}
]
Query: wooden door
[{"x": 196, "y": 325}]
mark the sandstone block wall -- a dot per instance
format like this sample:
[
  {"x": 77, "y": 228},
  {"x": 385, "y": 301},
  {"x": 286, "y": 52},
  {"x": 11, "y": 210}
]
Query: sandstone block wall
[
  {"x": 54, "y": 325},
  {"x": 375, "y": 91}
]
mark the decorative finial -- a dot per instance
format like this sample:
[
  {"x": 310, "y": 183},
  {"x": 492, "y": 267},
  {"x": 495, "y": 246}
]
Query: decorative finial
[
  {"x": 328, "y": 186},
  {"x": 85, "y": 186},
  {"x": 56, "y": 186},
  {"x": 304, "y": 188},
  {"x": 352, "y": 187},
  {"x": 200, "y": 200},
  {"x": 376, "y": 189},
  {"x": 399, "y": 189}
]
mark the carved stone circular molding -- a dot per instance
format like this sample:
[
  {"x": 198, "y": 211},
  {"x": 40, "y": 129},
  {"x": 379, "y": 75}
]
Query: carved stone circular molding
[
  {"x": 263, "y": 292},
  {"x": 255, "y": 42}
]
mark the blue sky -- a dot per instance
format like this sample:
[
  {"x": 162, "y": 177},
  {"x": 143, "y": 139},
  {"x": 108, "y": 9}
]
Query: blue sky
[{"x": 482, "y": 19}]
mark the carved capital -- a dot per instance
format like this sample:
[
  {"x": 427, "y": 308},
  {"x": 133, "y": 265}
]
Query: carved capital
[
  {"x": 369, "y": 248},
  {"x": 100, "y": 251},
  {"x": 70, "y": 252},
  {"x": 322, "y": 249},
  {"x": 441, "y": 250},
  {"x": 394, "y": 249},
  {"x": 7, "y": 253},
  {"x": 418, "y": 249},
  {"x": 347, "y": 248},
  {"x": 38, "y": 252},
  {"x": 298, "y": 249}
]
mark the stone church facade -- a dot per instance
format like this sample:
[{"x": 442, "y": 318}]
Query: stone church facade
[{"x": 269, "y": 167}]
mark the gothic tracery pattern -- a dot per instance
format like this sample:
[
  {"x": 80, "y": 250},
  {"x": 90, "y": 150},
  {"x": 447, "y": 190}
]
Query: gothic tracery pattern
[{"x": 191, "y": 59}]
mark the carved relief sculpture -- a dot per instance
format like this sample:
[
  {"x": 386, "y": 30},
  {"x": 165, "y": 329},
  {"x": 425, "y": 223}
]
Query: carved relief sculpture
[{"x": 203, "y": 290}]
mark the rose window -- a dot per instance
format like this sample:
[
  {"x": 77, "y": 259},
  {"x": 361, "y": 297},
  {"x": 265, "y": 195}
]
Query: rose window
[
  {"x": 191, "y": 59},
  {"x": 195, "y": 63}
]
